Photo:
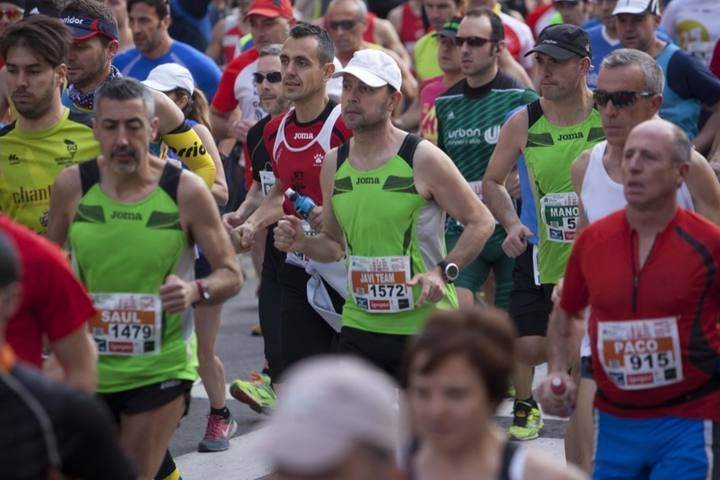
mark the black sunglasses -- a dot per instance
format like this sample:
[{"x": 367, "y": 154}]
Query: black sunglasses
[
  {"x": 471, "y": 41},
  {"x": 622, "y": 98},
  {"x": 272, "y": 77},
  {"x": 344, "y": 24}
]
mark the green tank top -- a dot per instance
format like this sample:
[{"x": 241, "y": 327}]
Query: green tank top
[
  {"x": 391, "y": 234},
  {"x": 549, "y": 154},
  {"x": 123, "y": 252}
]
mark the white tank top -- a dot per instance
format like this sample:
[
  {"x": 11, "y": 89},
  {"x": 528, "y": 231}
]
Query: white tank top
[{"x": 601, "y": 195}]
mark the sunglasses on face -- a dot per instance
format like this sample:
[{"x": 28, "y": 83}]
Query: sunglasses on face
[
  {"x": 471, "y": 41},
  {"x": 11, "y": 14},
  {"x": 344, "y": 24},
  {"x": 620, "y": 98},
  {"x": 272, "y": 77}
]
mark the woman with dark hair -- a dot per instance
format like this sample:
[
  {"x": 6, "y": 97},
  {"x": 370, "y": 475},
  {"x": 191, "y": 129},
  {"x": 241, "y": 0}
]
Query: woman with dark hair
[{"x": 458, "y": 371}]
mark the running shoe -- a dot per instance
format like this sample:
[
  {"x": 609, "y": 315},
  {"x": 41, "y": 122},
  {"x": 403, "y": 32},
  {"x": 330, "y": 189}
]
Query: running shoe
[
  {"x": 217, "y": 434},
  {"x": 256, "y": 393},
  {"x": 527, "y": 421}
]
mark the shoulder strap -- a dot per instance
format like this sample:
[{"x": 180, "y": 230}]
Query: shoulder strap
[
  {"x": 507, "y": 457},
  {"x": 342, "y": 154},
  {"x": 325, "y": 134},
  {"x": 408, "y": 147},
  {"x": 170, "y": 180},
  {"x": 535, "y": 111},
  {"x": 89, "y": 174},
  {"x": 280, "y": 134}
]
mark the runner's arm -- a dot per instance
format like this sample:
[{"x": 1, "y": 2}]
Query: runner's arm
[
  {"x": 200, "y": 216},
  {"x": 437, "y": 176},
  {"x": 386, "y": 36},
  {"x": 214, "y": 49},
  {"x": 189, "y": 149},
  {"x": 577, "y": 174},
  {"x": 64, "y": 198},
  {"x": 270, "y": 209},
  {"x": 704, "y": 188},
  {"x": 252, "y": 201},
  {"x": 219, "y": 187},
  {"x": 77, "y": 356}
]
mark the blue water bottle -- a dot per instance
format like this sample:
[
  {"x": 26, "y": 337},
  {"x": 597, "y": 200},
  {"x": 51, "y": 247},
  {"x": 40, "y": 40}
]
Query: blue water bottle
[{"x": 303, "y": 205}]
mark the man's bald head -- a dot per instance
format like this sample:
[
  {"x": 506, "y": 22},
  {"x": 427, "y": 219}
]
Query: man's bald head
[{"x": 673, "y": 137}]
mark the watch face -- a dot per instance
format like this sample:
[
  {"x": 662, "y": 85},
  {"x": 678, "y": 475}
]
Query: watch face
[{"x": 452, "y": 271}]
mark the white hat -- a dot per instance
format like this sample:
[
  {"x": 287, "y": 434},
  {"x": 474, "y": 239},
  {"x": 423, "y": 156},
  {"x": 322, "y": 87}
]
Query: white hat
[
  {"x": 374, "y": 68},
  {"x": 330, "y": 404},
  {"x": 637, "y": 7},
  {"x": 169, "y": 76}
]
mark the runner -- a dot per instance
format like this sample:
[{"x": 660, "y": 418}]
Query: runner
[
  {"x": 648, "y": 273},
  {"x": 458, "y": 371},
  {"x": 385, "y": 195},
  {"x": 148, "y": 213},
  {"x": 119, "y": 11},
  {"x": 469, "y": 116},
  {"x": 47, "y": 429},
  {"x": 551, "y": 132},
  {"x": 297, "y": 143},
  {"x": 425, "y": 55},
  {"x": 10, "y": 12},
  {"x": 407, "y": 19},
  {"x": 597, "y": 180}
]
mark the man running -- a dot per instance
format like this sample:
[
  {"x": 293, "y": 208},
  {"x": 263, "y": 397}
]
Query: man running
[
  {"x": 649, "y": 275},
  {"x": 551, "y": 132},
  {"x": 148, "y": 213},
  {"x": 385, "y": 194},
  {"x": 469, "y": 116}
]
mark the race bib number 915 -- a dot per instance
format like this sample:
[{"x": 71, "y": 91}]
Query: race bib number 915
[
  {"x": 379, "y": 284},
  {"x": 641, "y": 354},
  {"x": 129, "y": 323}
]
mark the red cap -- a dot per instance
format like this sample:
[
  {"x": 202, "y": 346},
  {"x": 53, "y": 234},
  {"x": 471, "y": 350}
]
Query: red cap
[{"x": 271, "y": 9}]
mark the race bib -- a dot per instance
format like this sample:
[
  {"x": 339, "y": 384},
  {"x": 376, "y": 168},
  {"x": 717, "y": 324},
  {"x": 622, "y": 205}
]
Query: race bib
[
  {"x": 641, "y": 354},
  {"x": 299, "y": 259},
  {"x": 267, "y": 180},
  {"x": 129, "y": 323},
  {"x": 379, "y": 284},
  {"x": 560, "y": 212}
]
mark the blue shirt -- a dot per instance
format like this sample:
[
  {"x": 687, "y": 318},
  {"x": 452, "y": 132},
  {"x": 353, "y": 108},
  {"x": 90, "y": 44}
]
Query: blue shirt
[{"x": 132, "y": 63}]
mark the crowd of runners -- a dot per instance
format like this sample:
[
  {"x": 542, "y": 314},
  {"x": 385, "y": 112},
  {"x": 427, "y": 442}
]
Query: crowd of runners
[{"x": 437, "y": 197}]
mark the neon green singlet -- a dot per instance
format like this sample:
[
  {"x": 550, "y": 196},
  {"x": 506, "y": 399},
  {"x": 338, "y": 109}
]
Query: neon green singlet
[
  {"x": 549, "y": 154},
  {"x": 391, "y": 233},
  {"x": 123, "y": 252}
]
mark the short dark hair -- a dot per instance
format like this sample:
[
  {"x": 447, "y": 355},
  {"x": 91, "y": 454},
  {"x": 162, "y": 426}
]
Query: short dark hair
[
  {"x": 9, "y": 261},
  {"x": 47, "y": 37},
  {"x": 326, "y": 47},
  {"x": 125, "y": 88},
  {"x": 484, "y": 337},
  {"x": 161, "y": 7},
  {"x": 497, "y": 32},
  {"x": 93, "y": 9}
]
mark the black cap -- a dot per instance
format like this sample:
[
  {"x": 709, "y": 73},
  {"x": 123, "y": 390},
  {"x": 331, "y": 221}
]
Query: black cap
[
  {"x": 563, "y": 41},
  {"x": 450, "y": 28}
]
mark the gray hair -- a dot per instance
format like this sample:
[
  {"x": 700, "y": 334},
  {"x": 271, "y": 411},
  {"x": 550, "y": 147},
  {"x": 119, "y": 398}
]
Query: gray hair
[
  {"x": 653, "y": 77},
  {"x": 124, "y": 88},
  {"x": 360, "y": 4},
  {"x": 681, "y": 149},
  {"x": 271, "y": 50}
]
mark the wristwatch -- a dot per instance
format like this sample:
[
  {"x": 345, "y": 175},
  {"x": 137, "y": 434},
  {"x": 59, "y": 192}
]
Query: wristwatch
[
  {"x": 203, "y": 290},
  {"x": 449, "y": 270}
]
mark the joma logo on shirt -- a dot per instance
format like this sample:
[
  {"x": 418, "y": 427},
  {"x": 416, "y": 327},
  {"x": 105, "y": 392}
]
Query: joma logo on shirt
[
  {"x": 126, "y": 215},
  {"x": 33, "y": 195},
  {"x": 570, "y": 136},
  {"x": 367, "y": 180},
  {"x": 303, "y": 136}
]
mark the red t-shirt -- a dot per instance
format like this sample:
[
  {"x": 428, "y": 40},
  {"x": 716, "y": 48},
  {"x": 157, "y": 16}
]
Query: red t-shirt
[
  {"x": 224, "y": 100},
  {"x": 715, "y": 60},
  {"x": 54, "y": 303},
  {"x": 412, "y": 27},
  {"x": 653, "y": 331},
  {"x": 298, "y": 149}
]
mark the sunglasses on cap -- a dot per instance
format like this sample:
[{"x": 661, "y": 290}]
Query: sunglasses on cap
[
  {"x": 272, "y": 77},
  {"x": 471, "y": 41},
  {"x": 344, "y": 24},
  {"x": 11, "y": 14},
  {"x": 621, "y": 98}
]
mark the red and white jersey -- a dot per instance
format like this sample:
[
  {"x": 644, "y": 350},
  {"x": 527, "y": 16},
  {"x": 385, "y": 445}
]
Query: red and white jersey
[
  {"x": 298, "y": 149},
  {"x": 412, "y": 27},
  {"x": 518, "y": 39},
  {"x": 246, "y": 93},
  {"x": 233, "y": 34},
  {"x": 227, "y": 98}
]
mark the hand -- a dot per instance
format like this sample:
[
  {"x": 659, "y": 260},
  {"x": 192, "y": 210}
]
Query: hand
[
  {"x": 559, "y": 405},
  {"x": 512, "y": 184},
  {"x": 515, "y": 242},
  {"x": 243, "y": 237},
  {"x": 315, "y": 218},
  {"x": 433, "y": 286},
  {"x": 239, "y": 130},
  {"x": 557, "y": 291},
  {"x": 231, "y": 220},
  {"x": 176, "y": 294},
  {"x": 289, "y": 234}
]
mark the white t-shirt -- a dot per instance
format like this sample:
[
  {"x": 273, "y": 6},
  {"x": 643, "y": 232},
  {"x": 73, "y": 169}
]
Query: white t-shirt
[{"x": 694, "y": 25}]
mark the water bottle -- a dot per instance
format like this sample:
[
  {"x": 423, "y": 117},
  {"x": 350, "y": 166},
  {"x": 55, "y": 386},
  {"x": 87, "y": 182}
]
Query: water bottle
[
  {"x": 303, "y": 205},
  {"x": 558, "y": 387}
]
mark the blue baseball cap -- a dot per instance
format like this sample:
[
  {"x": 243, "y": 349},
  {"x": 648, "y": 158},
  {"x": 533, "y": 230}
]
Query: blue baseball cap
[{"x": 83, "y": 27}]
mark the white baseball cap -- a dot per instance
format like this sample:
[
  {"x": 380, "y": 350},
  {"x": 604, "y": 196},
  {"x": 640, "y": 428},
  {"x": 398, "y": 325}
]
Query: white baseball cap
[
  {"x": 169, "y": 76},
  {"x": 374, "y": 68},
  {"x": 329, "y": 405},
  {"x": 637, "y": 7}
]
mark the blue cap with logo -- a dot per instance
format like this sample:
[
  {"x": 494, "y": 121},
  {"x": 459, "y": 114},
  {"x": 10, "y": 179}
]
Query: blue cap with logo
[{"x": 83, "y": 26}]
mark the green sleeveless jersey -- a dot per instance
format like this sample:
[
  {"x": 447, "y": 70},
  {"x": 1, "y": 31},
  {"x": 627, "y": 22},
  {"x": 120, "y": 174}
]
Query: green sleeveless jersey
[
  {"x": 469, "y": 121},
  {"x": 549, "y": 154},
  {"x": 123, "y": 252},
  {"x": 391, "y": 234}
]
